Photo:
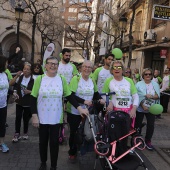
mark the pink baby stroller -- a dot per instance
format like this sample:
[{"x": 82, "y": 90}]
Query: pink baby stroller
[{"x": 112, "y": 147}]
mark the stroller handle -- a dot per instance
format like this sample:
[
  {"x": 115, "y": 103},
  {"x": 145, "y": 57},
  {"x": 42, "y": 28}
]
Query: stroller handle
[{"x": 107, "y": 98}]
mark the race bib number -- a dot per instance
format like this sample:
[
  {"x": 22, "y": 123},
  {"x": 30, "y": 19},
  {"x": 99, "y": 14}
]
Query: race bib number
[
  {"x": 123, "y": 103},
  {"x": 148, "y": 102}
]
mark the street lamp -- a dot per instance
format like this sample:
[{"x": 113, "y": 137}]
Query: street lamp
[
  {"x": 43, "y": 37},
  {"x": 122, "y": 25},
  {"x": 18, "y": 15},
  {"x": 96, "y": 50}
]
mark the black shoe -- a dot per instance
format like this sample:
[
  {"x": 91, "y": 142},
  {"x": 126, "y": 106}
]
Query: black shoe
[
  {"x": 43, "y": 166},
  {"x": 53, "y": 168},
  {"x": 158, "y": 117}
]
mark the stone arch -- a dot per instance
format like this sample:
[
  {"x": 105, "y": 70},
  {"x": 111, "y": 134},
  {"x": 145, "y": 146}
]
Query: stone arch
[{"x": 9, "y": 38}]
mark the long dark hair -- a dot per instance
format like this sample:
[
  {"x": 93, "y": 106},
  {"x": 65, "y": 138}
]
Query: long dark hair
[
  {"x": 40, "y": 69},
  {"x": 2, "y": 63}
]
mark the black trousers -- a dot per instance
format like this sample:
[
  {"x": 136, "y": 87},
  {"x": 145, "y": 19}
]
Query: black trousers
[
  {"x": 3, "y": 115},
  {"x": 22, "y": 112},
  {"x": 74, "y": 122},
  {"x": 164, "y": 100},
  {"x": 49, "y": 133},
  {"x": 150, "y": 123}
]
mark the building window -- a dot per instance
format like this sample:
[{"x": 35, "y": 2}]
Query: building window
[
  {"x": 73, "y": 1},
  {"x": 84, "y": 1},
  {"x": 69, "y": 43},
  {"x": 72, "y": 10},
  {"x": 83, "y": 17},
  {"x": 72, "y": 18},
  {"x": 73, "y": 27},
  {"x": 83, "y": 10}
]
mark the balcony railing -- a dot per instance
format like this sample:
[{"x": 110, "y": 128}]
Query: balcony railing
[
  {"x": 134, "y": 2},
  {"x": 124, "y": 8}
]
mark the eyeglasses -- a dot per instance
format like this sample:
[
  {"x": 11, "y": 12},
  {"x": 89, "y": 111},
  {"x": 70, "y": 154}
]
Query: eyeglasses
[
  {"x": 127, "y": 71},
  {"x": 117, "y": 67},
  {"x": 147, "y": 74},
  {"x": 87, "y": 67},
  {"x": 52, "y": 64},
  {"x": 36, "y": 68}
]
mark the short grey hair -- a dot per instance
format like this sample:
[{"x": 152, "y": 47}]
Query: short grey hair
[
  {"x": 88, "y": 61},
  {"x": 51, "y": 58}
]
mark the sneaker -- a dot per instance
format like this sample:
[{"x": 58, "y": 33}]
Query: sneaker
[
  {"x": 43, "y": 166},
  {"x": 72, "y": 158},
  {"x": 25, "y": 136},
  {"x": 4, "y": 148},
  {"x": 149, "y": 145},
  {"x": 16, "y": 138}
]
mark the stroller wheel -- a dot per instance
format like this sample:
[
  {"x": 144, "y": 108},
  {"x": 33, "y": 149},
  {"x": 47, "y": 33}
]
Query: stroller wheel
[
  {"x": 139, "y": 139},
  {"x": 101, "y": 148}
]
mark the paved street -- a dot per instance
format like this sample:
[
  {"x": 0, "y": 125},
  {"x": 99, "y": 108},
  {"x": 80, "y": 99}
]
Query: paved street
[{"x": 25, "y": 155}]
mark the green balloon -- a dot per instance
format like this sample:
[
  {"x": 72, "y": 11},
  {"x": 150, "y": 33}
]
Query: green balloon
[
  {"x": 61, "y": 55},
  {"x": 117, "y": 53},
  {"x": 156, "y": 109}
]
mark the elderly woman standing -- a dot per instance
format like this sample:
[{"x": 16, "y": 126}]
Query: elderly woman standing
[
  {"x": 86, "y": 90},
  {"x": 4, "y": 85},
  {"x": 149, "y": 94},
  {"x": 47, "y": 110},
  {"x": 23, "y": 87},
  {"x": 126, "y": 97}
]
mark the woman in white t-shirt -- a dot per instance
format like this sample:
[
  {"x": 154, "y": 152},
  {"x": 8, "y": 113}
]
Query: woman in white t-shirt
[
  {"x": 126, "y": 97},
  {"x": 85, "y": 88},
  {"x": 23, "y": 87},
  {"x": 4, "y": 85},
  {"x": 47, "y": 109}
]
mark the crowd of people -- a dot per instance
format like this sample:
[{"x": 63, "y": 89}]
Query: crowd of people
[{"x": 39, "y": 90}]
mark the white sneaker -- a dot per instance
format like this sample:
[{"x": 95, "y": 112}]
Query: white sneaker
[
  {"x": 25, "y": 136},
  {"x": 16, "y": 138}
]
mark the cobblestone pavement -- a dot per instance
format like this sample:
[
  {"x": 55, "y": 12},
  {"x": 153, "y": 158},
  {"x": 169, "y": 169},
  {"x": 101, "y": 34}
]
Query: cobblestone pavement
[{"x": 24, "y": 155}]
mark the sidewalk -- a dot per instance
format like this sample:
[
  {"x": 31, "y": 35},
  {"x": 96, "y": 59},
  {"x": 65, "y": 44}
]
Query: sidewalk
[
  {"x": 155, "y": 160},
  {"x": 25, "y": 154}
]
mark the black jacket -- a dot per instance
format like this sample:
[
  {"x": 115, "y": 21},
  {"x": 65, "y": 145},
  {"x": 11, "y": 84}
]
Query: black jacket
[{"x": 23, "y": 100}]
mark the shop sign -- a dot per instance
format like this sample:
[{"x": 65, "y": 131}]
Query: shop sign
[
  {"x": 161, "y": 12},
  {"x": 163, "y": 53}
]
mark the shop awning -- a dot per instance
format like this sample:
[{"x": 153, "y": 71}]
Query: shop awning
[{"x": 150, "y": 47}]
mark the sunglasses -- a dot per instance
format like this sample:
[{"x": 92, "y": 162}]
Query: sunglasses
[
  {"x": 147, "y": 74},
  {"x": 117, "y": 67},
  {"x": 36, "y": 68},
  {"x": 127, "y": 71}
]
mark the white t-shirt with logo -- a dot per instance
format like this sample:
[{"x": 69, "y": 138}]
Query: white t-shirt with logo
[
  {"x": 123, "y": 97},
  {"x": 4, "y": 86},
  {"x": 49, "y": 92},
  {"x": 103, "y": 75},
  {"x": 66, "y": 70}
]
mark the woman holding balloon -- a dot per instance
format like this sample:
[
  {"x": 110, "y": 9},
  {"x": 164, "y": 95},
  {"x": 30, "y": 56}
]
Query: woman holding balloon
[{"x": 149, "y": 94}]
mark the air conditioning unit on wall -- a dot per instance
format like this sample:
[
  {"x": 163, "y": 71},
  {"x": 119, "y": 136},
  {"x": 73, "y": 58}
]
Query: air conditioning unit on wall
[{"x": 150, "y": 35}]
